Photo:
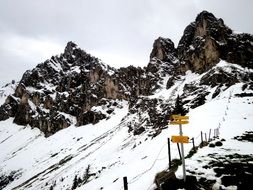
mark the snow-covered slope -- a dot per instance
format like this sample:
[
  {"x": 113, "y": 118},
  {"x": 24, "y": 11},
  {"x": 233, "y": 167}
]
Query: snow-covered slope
[
  {"x": 109, "y": 151},
  {"x": 228, "y": 166}
]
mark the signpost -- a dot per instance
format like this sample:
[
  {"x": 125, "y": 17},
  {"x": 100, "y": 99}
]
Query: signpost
[
  {"x": 180, "y": 120},
  {"x": 180, "y": 139}
]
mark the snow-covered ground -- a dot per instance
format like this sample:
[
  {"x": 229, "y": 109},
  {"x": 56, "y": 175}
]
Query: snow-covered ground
[{"x": 111, "y": 151}]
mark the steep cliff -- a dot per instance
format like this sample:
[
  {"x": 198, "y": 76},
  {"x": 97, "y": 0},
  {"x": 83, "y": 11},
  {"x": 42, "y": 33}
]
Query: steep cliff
[{"x": 207, "y": 40}]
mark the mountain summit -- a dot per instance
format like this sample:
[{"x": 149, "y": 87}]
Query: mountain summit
[{"x": 208, "y": 39}]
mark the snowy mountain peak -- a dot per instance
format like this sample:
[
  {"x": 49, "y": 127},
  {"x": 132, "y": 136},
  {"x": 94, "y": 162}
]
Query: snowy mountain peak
[
  {"x": 70, "y": 47},
  {"x": 162, "y": 48},
  {"x": 208, "y": 39},
  {"x": 76, "y": 56}
]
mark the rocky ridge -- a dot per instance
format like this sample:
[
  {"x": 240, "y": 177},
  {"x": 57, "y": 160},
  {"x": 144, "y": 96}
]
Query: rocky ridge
[{"x": 77, "y": 88}]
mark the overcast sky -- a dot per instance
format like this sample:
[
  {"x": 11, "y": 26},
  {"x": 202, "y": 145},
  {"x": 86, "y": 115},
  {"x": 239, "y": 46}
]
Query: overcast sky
[{"x": 120, "y": 32}]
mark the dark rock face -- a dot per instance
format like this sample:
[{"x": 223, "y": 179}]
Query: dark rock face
[
  {"x": 163, "y": 49},
  {"x": 247, "y": 136},
  {"x": 163, "y": 58},
  {"x": 219, "y": 76},
  {"x": 5, "y": 179},
  {"x": 90, "y": 117},
  {"x": 208, "y": 39},
  {"x": 9, "y": 108},
  {"x": 152, "y": 113},
  {"x": 238, "y": 49}
]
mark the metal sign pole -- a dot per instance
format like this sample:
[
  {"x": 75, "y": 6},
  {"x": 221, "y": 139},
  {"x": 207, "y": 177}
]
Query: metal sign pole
[
  {"x": 179, "y": 120},
  {"x": 182, "y": 152}
]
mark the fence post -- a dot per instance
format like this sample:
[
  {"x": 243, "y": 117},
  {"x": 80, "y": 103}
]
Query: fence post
[
  {"x": 125, "y": 183},
  {"x": 216, "y": 133},
  {"x": 209, "y": 138},
  {"x": 201, "y": 138},
  {"x": 169, "y": 152},
  {"x": 179, "y": 151},
  {"x": 193, "y": 143},
  {"x": 205, "y": 137}
]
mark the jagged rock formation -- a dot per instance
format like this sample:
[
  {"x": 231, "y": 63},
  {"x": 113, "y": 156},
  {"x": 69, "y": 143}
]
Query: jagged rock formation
[
  {"x": 205, "y": 42},
  {"x": 68, "y": 88},
  {"x": 72, "y": 83},
  {"x": 208, "y": 39},
  {"x": 163, "y": 49}
]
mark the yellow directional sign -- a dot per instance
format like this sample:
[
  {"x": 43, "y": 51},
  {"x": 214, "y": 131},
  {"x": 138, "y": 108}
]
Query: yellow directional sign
[
  {"x": 180, "y": 139},
  {"x": 177, "y": 122},
  {"x": 179, "y": 117}
]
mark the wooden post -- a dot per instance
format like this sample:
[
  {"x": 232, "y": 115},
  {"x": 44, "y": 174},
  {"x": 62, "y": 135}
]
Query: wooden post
[
  {"x": 209, "y": 138},
  {"x": 205, "y": 137},
  {"x": 193, "y": 143},
  {"x": 179, "y": 151},
  {"x": 169, "y": 153},
  {"x": 125, "y": 183},
  {"x": 201, "y": 137}
]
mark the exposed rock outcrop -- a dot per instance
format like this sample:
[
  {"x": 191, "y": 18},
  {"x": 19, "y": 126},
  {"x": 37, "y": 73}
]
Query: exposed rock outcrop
[
  {"x": 208, "y": 39},
  {"x": 163, "y": 49}
]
